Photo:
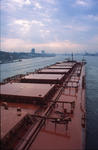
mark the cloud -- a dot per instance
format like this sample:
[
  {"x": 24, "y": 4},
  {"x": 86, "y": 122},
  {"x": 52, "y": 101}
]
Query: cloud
[
  {"x": 44, "y": 33},
  {"x": 47, "y": 31},
  {"x": 24, "y": 26},
  {"x": 27, "y": 2},
  {"x": 38, "y": 23},
  {"x": 95, "y": 40},
  {"x": 80, "y": 28},
  {"x": 15, "y": 44},
  {"x": 83, "y": 3},
  {"x": 37, "y": 5},
  {"x": 92, "y": 44},
  {"x": 93, "y": 17},
  {"x": 21, "y": 45},
  {"x": 47, "y": 22},
  {"x": 20, "y": 3},
  {"x": 64, "y": 44},
  {"x": 27, "y": 22},
  {"x": 68, "y": 26},
  {"x": 21, "y": 22},
  {"x": 50, "y": 1},
  {"x": 13, "y": 6}
]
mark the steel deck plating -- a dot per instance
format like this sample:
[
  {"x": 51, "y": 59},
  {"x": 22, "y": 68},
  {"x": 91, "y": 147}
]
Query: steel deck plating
[
  {"x": 26, "y": 92},
  {"x": 59, "y": 122},
  {"x": 43, "y": 78}
]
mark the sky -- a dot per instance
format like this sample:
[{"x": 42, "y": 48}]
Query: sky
[{"x": 58, "y": 26}]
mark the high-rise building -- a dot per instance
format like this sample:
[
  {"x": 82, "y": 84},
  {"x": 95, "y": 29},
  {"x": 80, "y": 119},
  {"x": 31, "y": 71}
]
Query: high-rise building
[
  {"x": 33, "y": 51},
  {"x": 43, "y": 52}
]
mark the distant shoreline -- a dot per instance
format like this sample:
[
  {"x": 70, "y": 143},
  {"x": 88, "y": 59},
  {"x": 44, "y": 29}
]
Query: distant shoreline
[
  {"x": 11, "y": 61},
  {"x": 19, "y": 60},
  {"x": 11, "y": 57},
  {"x": 91, "y": 55}
]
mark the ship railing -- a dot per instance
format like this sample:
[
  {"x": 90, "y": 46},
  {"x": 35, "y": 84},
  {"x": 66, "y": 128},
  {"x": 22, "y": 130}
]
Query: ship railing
[
  {"x": 65, "y": 102},
  {"x": 57, "y": 120}
]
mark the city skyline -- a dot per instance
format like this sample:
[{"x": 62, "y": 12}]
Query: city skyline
[{"x": 53, "y": 25}]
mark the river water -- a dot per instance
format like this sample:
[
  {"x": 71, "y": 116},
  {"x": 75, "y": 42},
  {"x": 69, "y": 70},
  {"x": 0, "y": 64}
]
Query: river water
[
  {"x": 29, "y": 65},
  {"x": 92, "y": 102}
]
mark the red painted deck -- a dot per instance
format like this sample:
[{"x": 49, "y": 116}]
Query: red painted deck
[
  {"x": 54, "y": 71},
  {"x": 9, "y": 119},
  {"x": 65, "y": 64},
  {"x": 25, "y": 92},
  {"x": 56, "y": 137},
  {"x": 43, "y": 78},
  {"x": 59, "y": 67},
  {"x": 48, "y": 129}
]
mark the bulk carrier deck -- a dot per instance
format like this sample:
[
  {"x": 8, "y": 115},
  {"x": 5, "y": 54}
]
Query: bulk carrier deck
[{"x": 45, "y": 110}]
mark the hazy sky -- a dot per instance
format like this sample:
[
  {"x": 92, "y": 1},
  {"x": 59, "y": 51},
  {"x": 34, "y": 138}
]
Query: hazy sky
[{"x": 52, "y": 25}]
